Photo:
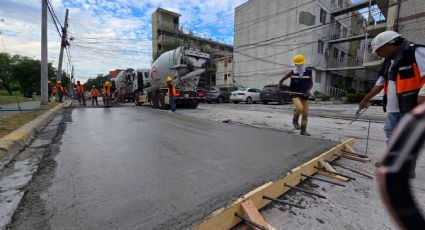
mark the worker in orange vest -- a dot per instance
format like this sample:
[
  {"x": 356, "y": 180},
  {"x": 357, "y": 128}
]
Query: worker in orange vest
[
  {"x": 80, "y": 93},
  {"x": 94, "y": 93},
  {"x": 60, "y": 90},
  {"x": 171, "y": 93},
  {"x": 49, "y": 87}
]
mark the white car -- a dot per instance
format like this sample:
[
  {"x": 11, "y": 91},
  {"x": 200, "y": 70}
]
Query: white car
[{"x": 247, "y": 95}]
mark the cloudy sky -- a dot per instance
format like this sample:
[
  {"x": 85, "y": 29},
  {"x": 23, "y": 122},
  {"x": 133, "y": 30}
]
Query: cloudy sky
[{"x": 108, "y": 34}]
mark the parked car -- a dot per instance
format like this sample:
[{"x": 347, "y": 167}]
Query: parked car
[
  {"x": 377, "y": 99},
  {"x": 247, "y": 95},
  {"x": 201, "y": 92},
  {"x": 270, "y": 94},
  {"x": 218, "y": 94}
]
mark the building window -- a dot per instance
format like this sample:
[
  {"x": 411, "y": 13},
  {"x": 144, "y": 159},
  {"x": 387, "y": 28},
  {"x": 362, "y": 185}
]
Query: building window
[
  {"x": 320, "y": 46},
  {"x": 225, "y": 78},
  {"x": 342, "y": 55},
  {"x": 340, "y": 3},
  {"x": 230, "y": 61},
  {"x": 322, "y": 16},
  {"x": 318, "y": 78},
  {"x": 159, "y": 46},
  {"x": 225, "y": 63},
  {"x": 344, "y": 32}
]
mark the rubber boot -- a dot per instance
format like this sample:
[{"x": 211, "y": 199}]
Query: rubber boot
[
  {"x": 295, "y": 122},
  {"x": 304, "y": 129}
]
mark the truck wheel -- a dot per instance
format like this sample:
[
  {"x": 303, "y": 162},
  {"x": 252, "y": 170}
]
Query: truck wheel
[
  {"x": 154, "y": 101},
  {"x": 265, "y": 102},
  {"x": 236, "y": 102},
  {"x": 161, "y": 101}
]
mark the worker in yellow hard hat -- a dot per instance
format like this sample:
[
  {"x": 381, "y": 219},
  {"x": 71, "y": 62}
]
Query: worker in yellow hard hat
[
  {"x": 300, "y": 86},
  {"x": 106, "y": 91},
  {"x": 171, "y": 93}
]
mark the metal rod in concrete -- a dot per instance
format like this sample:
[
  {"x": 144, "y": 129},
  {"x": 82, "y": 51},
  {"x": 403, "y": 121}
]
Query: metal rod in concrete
[
  {"x": 283, "y": 202},
  {"x": 323, "y": 180},
  {"x": 338, "y": 174},
  {"x": 305, "y": 191},
  {"x": 250, "y": 222},
  {"x": 349, "y": 169}
]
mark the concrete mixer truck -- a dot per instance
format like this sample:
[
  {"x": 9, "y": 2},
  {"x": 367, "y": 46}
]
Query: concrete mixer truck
[
  {"x": 185, "y": 65},
  {"x": 124, "y": 85}
]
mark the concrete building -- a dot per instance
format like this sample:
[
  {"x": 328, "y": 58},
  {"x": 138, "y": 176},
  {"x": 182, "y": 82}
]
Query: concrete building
[
  {"x": 330, "y": 33},
  {"x": 166, "y": 31},
  {"x": 224, "y": 75}
]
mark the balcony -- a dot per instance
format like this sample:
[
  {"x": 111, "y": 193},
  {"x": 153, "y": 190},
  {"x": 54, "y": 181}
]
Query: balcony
[
  {"x": 345, "y": 63},
  {"x": 340, "y": 7}
]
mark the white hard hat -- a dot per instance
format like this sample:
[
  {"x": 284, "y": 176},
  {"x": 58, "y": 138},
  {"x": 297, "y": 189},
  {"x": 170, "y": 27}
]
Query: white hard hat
[{"x": 382, "y": 39}]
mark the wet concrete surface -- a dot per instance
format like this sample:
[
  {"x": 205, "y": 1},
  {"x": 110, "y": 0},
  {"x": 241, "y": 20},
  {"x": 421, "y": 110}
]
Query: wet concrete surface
[{"x": 137, "y": 168}]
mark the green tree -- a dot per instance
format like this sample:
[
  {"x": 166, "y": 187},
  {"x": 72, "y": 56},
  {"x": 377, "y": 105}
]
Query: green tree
[
  {"x": 28, "y": 74},
  {"x": 7, "y": 78},
  {"x": 98, "y": 81}
]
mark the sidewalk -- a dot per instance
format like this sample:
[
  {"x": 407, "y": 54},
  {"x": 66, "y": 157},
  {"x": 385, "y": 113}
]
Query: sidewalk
[{"x": 14, "y": 106}]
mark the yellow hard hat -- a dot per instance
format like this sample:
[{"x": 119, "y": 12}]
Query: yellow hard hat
[
  {"x": 169, "y": 78},
  {"x": 299, "y": 59},
  {"x": 48, "y": 82},
  {"x": 59, "y": 82},
  {"x": 107, "y": 83}
]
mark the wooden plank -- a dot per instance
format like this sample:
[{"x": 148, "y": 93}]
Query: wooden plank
[
  {"x": 337, "y": 177},
  {"x": 224, "y": 218},
  {"x": 326, "y": 165},
  {"x": 354, "y": 158},
  {"x": 250, "y": 211}
]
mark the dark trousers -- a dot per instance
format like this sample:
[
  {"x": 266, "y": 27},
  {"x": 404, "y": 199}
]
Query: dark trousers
[
  {"x": 93, "y": 99},
  {"x": 173, "y": 103}
]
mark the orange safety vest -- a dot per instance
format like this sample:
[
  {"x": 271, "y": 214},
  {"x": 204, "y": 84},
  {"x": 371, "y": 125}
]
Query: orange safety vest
[
  {"x": 80, "y": 89},
  {"x": 406, "y": 74},
  {"x": 106, "y": 90},
  {"x": 60, "y": 88},
  {"x": 173, "y": 90},
  {"x": 53, "y": 89},
  {"x": 94, "y": 92}
]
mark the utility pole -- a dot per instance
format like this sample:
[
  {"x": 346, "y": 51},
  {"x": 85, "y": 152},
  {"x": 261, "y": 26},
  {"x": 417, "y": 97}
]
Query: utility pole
[
  {"x": 64, "y": 43},
  {"x": 44, "y": 68},
  {"x": 72, "y": 82}
]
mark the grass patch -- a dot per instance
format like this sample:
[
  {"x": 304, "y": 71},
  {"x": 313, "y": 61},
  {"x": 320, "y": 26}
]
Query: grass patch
[
  {"x": 5, "y": 98},
  {"x": 14, "y": 121}
]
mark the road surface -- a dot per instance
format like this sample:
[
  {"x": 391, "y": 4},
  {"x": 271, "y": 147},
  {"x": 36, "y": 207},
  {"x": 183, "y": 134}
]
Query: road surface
[{"x": 138, "y": 168}]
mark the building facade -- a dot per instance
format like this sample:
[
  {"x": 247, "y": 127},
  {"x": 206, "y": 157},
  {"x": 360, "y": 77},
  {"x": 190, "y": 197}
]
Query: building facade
[
  {"x": 331, "y": 34},
  {"x": 224, "y": 75}
]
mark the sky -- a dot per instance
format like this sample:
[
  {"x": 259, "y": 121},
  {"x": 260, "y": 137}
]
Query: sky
[{"x": 107, "y": 34}]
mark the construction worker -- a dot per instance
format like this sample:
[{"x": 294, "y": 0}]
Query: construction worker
[
  {"x": 54, "y": 91},
  {"x": 49, "y": 88},
  {"x": 301, "y": 84},
  {"x": 106, "y": 91},
  {"x": 94, "y": 93},
  {"x": 60, "y": 91},
  {"x": 79, "y": 88},
  {"x": 171, "y": 93},
  {"x": 402, "y": 77}
]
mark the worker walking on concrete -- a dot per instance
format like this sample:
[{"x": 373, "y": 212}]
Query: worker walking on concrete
[
  {"x": 79, "y": 89},
  {"x": 106, "y": 92},
  {"x": 94, "y": 93},
  {"x": 402, "y": 77},
  {"x": 301, "y": 84},
  {"x": 171, "y": 93},
  {"x": 60, "y": 91}
]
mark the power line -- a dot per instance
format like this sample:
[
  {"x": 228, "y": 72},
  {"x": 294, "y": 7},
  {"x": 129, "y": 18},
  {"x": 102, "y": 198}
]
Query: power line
[{"x": 53, "y": 18}]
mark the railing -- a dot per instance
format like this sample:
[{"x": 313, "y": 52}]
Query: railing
[
  {"x": 344, "y": 62},
  {"x": 336, "y": 93}
]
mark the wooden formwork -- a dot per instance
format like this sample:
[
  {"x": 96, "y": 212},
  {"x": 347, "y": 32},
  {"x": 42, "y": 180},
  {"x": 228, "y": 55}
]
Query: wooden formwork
[{"x": 225, "y": 218}]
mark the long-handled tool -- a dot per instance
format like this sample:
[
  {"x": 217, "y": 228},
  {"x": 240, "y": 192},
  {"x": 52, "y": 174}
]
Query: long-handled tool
[
  {"x": 295, "y": 93},
  {"x": 358, "y": 114}
]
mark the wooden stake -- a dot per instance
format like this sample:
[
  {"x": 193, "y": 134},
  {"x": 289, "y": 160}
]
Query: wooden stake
[{"x": 250, "y": 211}]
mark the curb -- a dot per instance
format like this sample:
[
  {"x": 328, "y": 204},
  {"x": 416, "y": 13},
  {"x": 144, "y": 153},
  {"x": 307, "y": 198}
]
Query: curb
[{"x": 14, "y": 141}]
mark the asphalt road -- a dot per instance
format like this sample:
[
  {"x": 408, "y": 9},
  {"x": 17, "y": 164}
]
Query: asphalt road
[{"x": 138, "y": 168}]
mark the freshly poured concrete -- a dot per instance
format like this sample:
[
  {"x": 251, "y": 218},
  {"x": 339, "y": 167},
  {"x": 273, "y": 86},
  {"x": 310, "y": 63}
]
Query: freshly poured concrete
[{"x": 137, "y": 168}]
